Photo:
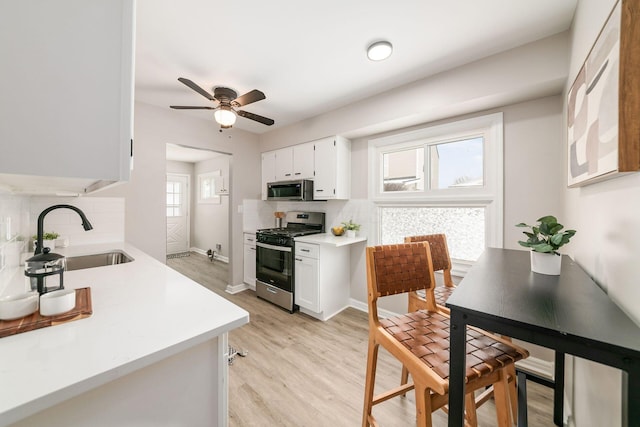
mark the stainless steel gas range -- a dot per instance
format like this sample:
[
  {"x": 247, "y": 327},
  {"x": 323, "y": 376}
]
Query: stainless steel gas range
[{"x": 275, "y": 281}]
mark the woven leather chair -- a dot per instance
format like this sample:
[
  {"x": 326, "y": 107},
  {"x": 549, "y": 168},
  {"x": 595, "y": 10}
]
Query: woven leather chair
[
  {"x": 440, "y": 294},
  {"x": 441, "y": 262},
  {"x": 420, "y": 340}
]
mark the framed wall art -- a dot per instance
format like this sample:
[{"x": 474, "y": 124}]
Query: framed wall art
[{"x": 603, "y": 105}]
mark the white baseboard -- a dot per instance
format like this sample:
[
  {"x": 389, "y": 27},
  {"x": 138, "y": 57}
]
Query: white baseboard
[
  {"x": 216, "y": 256},
  {"x": 540, "y": 367},
  {"x": 362, "y": 306},
  {"x": 234, "y": 289}
]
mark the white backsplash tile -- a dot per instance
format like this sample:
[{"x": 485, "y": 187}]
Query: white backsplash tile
[{"x": 259, "y": 214}]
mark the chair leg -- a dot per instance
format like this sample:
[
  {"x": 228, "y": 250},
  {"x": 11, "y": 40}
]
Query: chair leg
[
  {"x": 370, "y": 381},
  {"x": 423, "y": 406},
  {"x": 501, "y": 396},
  {"x": 404, "y": 378},
  {"x": 513, "y": 391},
  {"x": 471, "y": 417}
]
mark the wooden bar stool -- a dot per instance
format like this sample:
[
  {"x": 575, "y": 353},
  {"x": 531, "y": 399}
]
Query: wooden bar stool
[
  {"x": 441, "y": 262},
  {"x": 420, "y": 340},
  {"x": 440, "y": 294}
]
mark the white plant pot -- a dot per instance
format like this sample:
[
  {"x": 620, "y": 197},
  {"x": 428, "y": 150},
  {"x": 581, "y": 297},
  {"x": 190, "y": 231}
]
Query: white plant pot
[
  {"x": 545, "y": 263},
  {"x": 351, "y": 233}
]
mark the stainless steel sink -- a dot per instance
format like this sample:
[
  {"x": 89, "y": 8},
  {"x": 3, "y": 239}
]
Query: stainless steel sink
[{"x": 97, "y": 260}]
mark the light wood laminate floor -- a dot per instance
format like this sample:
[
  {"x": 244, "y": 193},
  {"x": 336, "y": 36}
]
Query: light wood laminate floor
[{"x": 300, "y": 371}]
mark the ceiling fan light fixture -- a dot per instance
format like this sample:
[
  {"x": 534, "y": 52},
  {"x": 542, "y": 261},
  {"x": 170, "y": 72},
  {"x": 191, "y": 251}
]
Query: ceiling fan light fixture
[
  {"x": 379, "y": 51},
  {"x": 225, "y": 116}
]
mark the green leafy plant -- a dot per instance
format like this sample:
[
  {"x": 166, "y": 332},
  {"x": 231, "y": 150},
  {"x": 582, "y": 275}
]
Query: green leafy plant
[
  {"x": 547, "y": 236},
  {"x": 47, "y": 236},
  {"x": 350, "y": 225}
]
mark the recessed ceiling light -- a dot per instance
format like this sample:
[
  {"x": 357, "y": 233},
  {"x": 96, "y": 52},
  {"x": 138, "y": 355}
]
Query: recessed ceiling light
[{"x": 379, "y": 51}]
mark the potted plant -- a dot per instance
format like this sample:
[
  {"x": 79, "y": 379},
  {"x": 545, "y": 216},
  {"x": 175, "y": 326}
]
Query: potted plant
[
  {"x": 545, "y": 239},
  {"x": 48, "y": 240},
  {"x": 351, "y": 228}
]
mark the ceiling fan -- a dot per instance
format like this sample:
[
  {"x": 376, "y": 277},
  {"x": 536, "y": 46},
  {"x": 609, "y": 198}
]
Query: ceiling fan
[{"x": 228, "y": 100}]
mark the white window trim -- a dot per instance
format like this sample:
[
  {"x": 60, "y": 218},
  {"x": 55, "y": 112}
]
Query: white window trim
[{"x": 490, "y": 196}]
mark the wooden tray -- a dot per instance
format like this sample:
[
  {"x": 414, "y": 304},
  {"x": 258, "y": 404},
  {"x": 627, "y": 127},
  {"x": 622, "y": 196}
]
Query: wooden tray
[{"x": 36, "y": 320}]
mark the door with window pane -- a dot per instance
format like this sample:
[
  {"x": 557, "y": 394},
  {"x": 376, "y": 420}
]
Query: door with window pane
[{"x": 177, "y": 213}]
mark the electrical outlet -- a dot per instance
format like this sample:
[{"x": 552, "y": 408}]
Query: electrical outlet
[{"x": 218, "y": 247}]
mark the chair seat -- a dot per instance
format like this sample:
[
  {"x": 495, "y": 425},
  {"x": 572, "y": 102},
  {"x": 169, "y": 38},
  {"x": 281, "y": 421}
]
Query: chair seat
[{"x": 426, "y": 335}]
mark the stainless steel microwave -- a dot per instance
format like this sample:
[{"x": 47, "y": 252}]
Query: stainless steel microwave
[{"x": 300, "y": 190}]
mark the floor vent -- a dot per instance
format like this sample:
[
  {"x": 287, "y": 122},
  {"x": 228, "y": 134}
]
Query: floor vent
[{"x": 178, "y": 255}]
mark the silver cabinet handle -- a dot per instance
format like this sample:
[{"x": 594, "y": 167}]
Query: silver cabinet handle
[
  {"x": 305, "y": 250},
  {"x": 318, "y": 190},
  {"x": 298, "y": 259},
  {"x": 253, "y": 249}
]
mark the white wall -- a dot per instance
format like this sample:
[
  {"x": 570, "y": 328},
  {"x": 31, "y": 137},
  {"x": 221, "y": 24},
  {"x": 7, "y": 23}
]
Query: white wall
[
  {"x": 154, "y": 127},
  {"x": 531, "y": 71},
  {"x": 211, "y": 221},
  {"x": 607, "y": 243}
]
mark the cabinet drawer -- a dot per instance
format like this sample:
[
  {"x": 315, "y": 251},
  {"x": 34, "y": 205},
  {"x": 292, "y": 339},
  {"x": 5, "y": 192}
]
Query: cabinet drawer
[
  {"x": 249, "y": 239},
  {"x": 308, "y": 250}
]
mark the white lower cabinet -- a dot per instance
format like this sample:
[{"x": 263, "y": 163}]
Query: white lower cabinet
[
  {"x": 250, "y": 259},
  {"x": 322, "y": 284}
]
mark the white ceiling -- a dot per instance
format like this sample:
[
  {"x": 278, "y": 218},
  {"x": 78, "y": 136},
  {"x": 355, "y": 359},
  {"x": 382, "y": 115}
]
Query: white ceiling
[{"x": 309, "y": 57}]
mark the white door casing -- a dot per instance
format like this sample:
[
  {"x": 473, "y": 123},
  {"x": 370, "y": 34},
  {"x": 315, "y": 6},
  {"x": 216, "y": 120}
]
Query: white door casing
[{"x": 177, "y": 213}]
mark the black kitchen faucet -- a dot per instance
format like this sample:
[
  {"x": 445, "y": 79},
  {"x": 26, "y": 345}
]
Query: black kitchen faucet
[{"x": 85, "y": 223}]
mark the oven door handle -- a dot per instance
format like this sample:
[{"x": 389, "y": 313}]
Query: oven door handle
[{"x": 274, "y": 247}]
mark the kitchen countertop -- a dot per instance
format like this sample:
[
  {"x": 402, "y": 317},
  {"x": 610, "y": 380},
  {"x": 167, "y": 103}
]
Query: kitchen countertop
[
  {"x": 143, "y": 312},
  {"x": 330, "y": 239}
]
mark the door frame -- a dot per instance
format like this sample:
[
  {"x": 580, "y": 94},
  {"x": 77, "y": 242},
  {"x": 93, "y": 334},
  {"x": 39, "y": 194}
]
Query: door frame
[{"x": 187, "y": 195}]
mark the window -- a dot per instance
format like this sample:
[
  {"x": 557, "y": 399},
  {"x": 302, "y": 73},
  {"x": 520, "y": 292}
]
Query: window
[
  {"x": 207, "y": 187},
  {"x": 441, "y": 179},
  {"x": 174, "y": 194}
]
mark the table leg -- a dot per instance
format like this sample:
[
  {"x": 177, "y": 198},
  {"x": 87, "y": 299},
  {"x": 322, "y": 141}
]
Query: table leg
[
  {"x": 558, "y": 391},
  {"x": 631, "y": 379},
  {"x": 522, "y": 399},
  {"x": 457, "y": 353}
]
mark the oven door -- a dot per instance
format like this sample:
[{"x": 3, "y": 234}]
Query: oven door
[{"x": 274, "y": 265}]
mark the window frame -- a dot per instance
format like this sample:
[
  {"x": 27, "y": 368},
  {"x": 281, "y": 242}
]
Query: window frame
[{"x": 490, "y": 195}]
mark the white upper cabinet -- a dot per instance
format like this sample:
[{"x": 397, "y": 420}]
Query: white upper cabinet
[
  {"x": 294, "y": 162},
  {"x": 284, "y": 164},
  {"x": 67, "y": 89},
  {"x": 303, "y": 161},
  {"x": 333, "y": 169}
]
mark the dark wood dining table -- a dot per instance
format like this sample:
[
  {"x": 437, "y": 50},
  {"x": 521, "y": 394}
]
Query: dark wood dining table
[{"x": 568, "y": 313}]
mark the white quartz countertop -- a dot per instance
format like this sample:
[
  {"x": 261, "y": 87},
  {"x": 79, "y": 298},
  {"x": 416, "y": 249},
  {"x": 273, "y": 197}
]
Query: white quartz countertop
[
  {"x": 330, "y": 239},
  {"x": 143, "y": 312}
]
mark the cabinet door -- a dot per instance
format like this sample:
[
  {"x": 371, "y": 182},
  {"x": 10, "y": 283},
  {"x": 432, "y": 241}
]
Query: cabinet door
[
  {"x": 268, "y": 171},
  {"x": 284, "y": 164},
  {"x": 324, "y": 185},
  {"x": 307, "y": 291},
  {"x": 67, "y": 88},
  {"x": 303, "y": 161},
  {"x": 333, "y": 171}
]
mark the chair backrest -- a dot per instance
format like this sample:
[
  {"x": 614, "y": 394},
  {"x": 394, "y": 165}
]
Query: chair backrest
[
  {"x": 439, "y": 253},
  {"x": 395, "y": 269}
]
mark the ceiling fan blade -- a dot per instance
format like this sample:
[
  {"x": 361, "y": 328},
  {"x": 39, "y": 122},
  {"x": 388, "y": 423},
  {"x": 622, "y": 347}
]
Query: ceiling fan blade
[
  {"x": 183, "y": 107},
  {"x": 248, "y": 98},
  {"x": 257, "y": 118},
  {"x": 197, "y": 88}
]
